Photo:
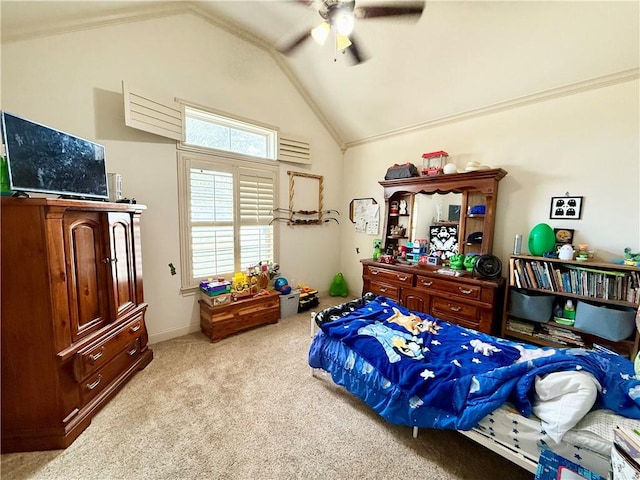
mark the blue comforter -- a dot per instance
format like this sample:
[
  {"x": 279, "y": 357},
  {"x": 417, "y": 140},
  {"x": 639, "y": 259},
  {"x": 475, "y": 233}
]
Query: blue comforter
[{"x": 452, "y": 376}]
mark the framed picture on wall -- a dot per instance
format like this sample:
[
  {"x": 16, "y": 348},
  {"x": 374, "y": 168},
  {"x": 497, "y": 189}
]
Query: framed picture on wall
[{"x": 566, "y": 208}]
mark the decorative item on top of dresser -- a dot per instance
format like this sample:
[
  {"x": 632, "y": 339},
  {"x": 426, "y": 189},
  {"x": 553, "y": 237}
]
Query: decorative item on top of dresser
[
  {"x": 433, "y": 162},
  {"x": 73, "y": 327}
]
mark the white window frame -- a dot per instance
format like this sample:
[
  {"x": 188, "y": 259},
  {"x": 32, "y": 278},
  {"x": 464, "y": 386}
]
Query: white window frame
[
  {"x": 188, "y": 160},
  {"x": 235, "y": 122}
]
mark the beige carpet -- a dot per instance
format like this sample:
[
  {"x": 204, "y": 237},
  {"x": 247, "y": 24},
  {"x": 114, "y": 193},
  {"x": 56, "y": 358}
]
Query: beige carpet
[{"x": 248, "y": 408}]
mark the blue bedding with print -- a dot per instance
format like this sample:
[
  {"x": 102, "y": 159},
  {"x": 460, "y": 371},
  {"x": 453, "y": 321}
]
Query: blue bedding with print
[{"x": 414, "y": 369}]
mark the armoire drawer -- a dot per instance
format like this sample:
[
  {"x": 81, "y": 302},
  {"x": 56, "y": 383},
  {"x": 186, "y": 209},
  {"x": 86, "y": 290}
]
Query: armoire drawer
[
  {"x": 451, "y": 287},
  {"x": 455, "y": 312},
  {"x": 383, "y": 275},
  {"x": 99, "y": 380},
  {"x": 93, "y": 357}
]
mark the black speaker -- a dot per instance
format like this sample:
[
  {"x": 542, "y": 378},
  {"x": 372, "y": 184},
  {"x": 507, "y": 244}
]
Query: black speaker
[{"x": 488, "y": 266}]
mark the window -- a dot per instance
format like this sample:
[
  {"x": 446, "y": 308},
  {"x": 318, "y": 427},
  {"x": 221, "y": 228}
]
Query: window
[
  {"x": 226, "y": 213},
  {"x": 227, "y": 183},
  {"x": 209, "y": 130}
]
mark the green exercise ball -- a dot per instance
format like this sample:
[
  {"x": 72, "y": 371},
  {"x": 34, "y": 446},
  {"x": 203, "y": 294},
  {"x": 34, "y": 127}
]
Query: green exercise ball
[{"x": 541, "y": 240}]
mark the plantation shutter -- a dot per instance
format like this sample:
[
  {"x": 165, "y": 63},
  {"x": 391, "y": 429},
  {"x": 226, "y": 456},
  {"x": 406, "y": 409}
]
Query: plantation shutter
[
  {"x": 211, "y": 222},
  {"x": 160, "y": 117},
  {"x": 294, "y": 149},
  {"x": 256, "y": 204}
]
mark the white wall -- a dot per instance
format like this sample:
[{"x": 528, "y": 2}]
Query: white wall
[
  {"x": 586, "y": 144},
  {"x": 73, "y": 82}
]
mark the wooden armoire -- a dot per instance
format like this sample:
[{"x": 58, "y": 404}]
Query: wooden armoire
[{"x": 73, "y": 327}]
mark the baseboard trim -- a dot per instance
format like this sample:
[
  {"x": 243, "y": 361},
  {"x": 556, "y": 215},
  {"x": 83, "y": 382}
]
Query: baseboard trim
[{"x": 173, "y": 333}]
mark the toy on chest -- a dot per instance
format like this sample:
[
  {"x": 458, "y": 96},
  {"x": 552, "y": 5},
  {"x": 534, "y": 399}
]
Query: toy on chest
[{"x": 214, "y": 288}]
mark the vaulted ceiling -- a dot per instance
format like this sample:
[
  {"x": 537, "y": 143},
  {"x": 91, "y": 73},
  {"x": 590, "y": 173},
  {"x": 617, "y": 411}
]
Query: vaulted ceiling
[{"x": 459, "y": 58}]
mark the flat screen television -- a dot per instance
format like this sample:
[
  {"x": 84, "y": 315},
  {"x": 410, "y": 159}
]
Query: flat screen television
[{"x": 45, "y": 160}]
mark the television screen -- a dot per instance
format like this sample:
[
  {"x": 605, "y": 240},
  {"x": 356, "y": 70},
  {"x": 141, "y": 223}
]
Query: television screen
[{"x": 44, "y": 160}]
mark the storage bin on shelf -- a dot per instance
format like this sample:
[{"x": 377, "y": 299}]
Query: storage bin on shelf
[
  {"x": 607, "y": 321},
  {"x": 533, "y": 306}
]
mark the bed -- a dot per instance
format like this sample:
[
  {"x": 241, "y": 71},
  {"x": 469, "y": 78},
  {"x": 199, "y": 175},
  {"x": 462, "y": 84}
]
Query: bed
[{"x": 514, "y": 398}]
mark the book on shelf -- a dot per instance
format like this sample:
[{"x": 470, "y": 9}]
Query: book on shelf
[
  {"x": 531, "y": 276},
  {"x": 567, "y": 337},
  {"x": 550, "y": 338},
  {"x": 628, "y": 443},
  {"x": 601, "y": 348},
  {"x": 550, "y": 276},
  {"x": 520, "y": 326},
  {"x": 536, "y": 273},
  {"x": 516, "y": 278}
]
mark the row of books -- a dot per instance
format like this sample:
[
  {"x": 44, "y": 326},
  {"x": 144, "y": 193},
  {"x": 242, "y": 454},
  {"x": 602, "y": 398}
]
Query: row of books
[
  {"x": 625, "y": 454},
  {"x": 549, "y": 332},
  {"x": 585, "y": 281}
]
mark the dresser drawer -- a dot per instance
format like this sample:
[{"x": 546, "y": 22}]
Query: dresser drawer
[
  {"x": 91, "y": 386},
  {"x": 450, "y": 287},
  {"x": 93, "y": 357},
  {"x": 385, "y": 290},
  {"x": 384, "y": 275},
  {"x": 455, "y": 312}
]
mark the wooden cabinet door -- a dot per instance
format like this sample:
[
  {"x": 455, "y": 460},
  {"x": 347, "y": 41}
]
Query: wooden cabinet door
[
  {"x": 87, "y": 272},
  {"x": 416, "y": 300},
  {"x": 122, "y": 261}
]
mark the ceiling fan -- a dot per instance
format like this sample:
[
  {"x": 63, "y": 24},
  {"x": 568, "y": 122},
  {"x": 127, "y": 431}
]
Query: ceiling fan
[{"x": 340, "y": 16}]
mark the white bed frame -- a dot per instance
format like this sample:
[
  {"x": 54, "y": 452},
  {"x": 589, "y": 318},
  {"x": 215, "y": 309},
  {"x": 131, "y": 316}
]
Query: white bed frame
[{"x": 528, "y": 463}]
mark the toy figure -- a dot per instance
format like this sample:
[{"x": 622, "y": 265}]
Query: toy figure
[
  {"x": 457, "y": 261},
  {"x": 469, "y": 262}
]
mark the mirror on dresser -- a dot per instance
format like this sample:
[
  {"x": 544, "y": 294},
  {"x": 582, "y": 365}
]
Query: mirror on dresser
[
  {"x": 436, "y": 219},
  {"x": 444, "y": 214}
]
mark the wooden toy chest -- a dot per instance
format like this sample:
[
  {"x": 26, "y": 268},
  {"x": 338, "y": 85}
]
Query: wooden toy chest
[{"x": 218, "y": 322}]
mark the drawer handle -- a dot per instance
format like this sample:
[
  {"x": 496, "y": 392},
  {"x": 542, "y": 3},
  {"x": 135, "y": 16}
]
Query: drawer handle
[
  {"x": 383, "y": 289},
  {"x": 454, "y": 308},
  {"x": 96, "y": 356},
  {"x": 403, "y": 278},
  {"x": 374, "y": 272},
  {"x": 93, "y": 385},
  {"x": 136, "y": 328},
  {"x": 132, "y": 352},
  {"x": 465, "y": 291},
  {"x": 426, "y": 284}
]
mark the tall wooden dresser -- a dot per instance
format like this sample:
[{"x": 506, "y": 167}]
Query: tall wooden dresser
[{"x": 73, "y": 328}]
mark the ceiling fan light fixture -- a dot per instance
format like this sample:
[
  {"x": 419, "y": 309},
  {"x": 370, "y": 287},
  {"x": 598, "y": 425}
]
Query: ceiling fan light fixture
[
  {"x": 342, "y": 42},
  {"x": 320, "y": 33},
  {"x": 343, "y": 21}
]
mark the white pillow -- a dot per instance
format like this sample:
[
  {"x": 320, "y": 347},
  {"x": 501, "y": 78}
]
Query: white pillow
[{"x": 562, "y": 399}]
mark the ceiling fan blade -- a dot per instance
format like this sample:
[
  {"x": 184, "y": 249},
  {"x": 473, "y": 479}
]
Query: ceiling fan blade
[
  {"x": 354, "y": 51},
  {"x": 291, "y": 46},
  {"x": 405, "y": 9}
]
